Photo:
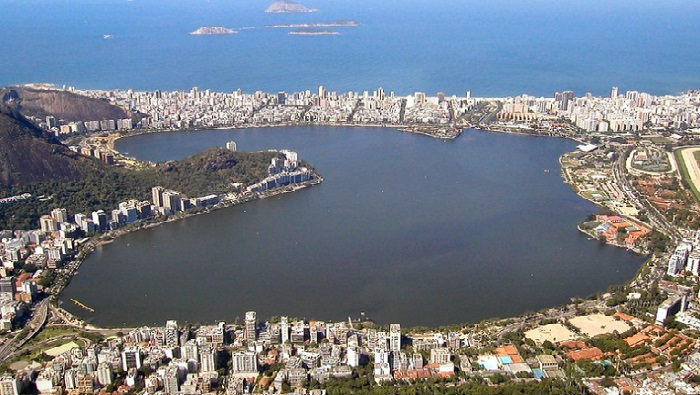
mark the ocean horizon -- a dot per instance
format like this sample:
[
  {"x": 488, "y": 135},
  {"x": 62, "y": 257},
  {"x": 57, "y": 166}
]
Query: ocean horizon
[{"x": 503, "y": 48}]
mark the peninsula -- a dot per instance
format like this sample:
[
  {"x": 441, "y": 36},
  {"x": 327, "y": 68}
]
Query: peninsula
[
  {"x": 288, "y": 7},
  {"x": 636, "y": 160},
  {"x": 213, "y": 30}
]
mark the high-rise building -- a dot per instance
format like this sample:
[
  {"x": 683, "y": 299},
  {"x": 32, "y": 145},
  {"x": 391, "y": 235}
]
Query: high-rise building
[
  {"x": 244, "y": 362},
  {"x": 440, "y": 355},
  {"x": 231, "y": 146},
  {"x": 172, "y": 201},
  {"x": 131, "y": 358},
  {"x": 60, "y": 215},
  {"x": 284, "y": 329},
  {"x": 353, "y": 357},
  {"x": 50, "y": 121},
  {"x": 48, "y": 224},
  {"x": 143, "y": 209},
  {"x": 190, "y": 350},
  {"x": 172, "y": 334},
  {"x": 321, "y": 92},
  {"x": 104, "y": 374},
  {"x": 563, "y": 99},
  {"x": 100, "y": 219},
  {"x": 7, "y": 286},
  {"x": 417, "y": 361},
  {"x": 84, "y": 382},
  {"x": 108, "y": 124},
  {"x": 382, "y": 369},
  {"x": 395, "y": 338},
  {"x": 251, "y": 324},
  {"x": 614, "y": 92},
  {"x": 9, "y": 385},
  {"x": 157, "y": 196},
  {"x": 208, "y": 359},
  {"x": 171, "y": 384},
  {"x": 453, "y": 340}
]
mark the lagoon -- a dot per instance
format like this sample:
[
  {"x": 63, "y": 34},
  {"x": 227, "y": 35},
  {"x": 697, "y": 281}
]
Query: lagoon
[{"x": 404, "y": 229}]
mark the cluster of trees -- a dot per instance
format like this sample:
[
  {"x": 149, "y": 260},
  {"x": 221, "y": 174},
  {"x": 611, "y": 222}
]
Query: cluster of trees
[
  {"x": 596, "y": 369},
  {"x": 440, "y": 386},
  {"x": 658, "y": 242},
  {"x": 649, "y": 300}
]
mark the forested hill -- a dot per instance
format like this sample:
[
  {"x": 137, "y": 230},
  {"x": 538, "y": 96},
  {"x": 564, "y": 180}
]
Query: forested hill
[
  {"x": 33, "y": 161},
  {"x": 210, "y": 172},
  {"x": 30, "y": 155}
]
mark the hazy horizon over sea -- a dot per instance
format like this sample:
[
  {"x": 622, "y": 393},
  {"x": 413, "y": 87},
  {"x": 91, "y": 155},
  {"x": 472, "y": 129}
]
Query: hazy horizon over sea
[{"x": 502, "y": 48}]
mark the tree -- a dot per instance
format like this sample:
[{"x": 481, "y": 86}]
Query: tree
[{"x": 548, "y": 345}]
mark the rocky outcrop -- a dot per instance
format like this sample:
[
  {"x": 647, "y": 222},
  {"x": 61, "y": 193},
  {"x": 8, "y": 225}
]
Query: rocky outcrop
[
  {"x": 288, "y": 7},
  {"x": 213, "y": 30},
  {"x": 61, "y": 104}
]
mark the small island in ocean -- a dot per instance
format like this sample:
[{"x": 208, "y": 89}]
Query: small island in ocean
[
  {"x": 288, "y": 7},
  {"x": 211, "y": 30},
  {"x": 343, "y": 23},
  {"x": 313, "y": 32}
]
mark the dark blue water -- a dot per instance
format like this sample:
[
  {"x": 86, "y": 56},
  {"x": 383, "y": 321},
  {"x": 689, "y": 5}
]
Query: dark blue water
[
  {"x": 404, "y": 228},
  {"x": 491, "y": 48}
]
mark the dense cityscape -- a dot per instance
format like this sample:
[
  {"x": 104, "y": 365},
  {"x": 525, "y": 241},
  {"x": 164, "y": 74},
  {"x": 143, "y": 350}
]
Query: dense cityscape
[{"x": 640, "y": 337}]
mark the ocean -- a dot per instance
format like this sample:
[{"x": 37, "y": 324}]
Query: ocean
[{"x": 502, "y": 48}]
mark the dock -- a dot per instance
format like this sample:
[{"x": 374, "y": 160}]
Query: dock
[{"x": 81, "y": 305}]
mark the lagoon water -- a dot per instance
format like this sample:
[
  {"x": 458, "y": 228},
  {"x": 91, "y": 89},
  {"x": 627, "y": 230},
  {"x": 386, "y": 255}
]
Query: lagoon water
[{"x": 405, "y": 228}]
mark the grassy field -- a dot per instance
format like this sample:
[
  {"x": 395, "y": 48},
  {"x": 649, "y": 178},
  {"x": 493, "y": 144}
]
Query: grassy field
[
  {"x": 52, "y": 333},
  {"x": 589, "y": 195},
  {"x": 678, "y": 154},
  {"x": 660, "y": 140}
]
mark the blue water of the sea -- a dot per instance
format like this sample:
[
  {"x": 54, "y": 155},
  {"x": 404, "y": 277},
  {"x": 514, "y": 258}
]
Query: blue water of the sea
[{"x": 496, "y": 48}]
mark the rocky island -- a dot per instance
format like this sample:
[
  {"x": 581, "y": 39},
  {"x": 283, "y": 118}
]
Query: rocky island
[
  {"x": 345, "y": 23},
  {"x": 213, "y": 30},
  {"x": 313, "y": 32},
  {"x": 288, "y": 7}
]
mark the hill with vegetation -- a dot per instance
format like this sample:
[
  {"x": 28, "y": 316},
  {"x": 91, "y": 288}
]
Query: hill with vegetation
[
  {"x": 63, "y": 105},
  {"x": 33, "y": 161},
  {"x": 30, "y": 155},
  {"x": 210, "y": 172}
]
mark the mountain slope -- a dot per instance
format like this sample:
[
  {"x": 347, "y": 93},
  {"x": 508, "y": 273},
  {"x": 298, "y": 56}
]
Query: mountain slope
[
  {"x": 29, "y": 155},
  {"x": 61, "y": 104}
]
